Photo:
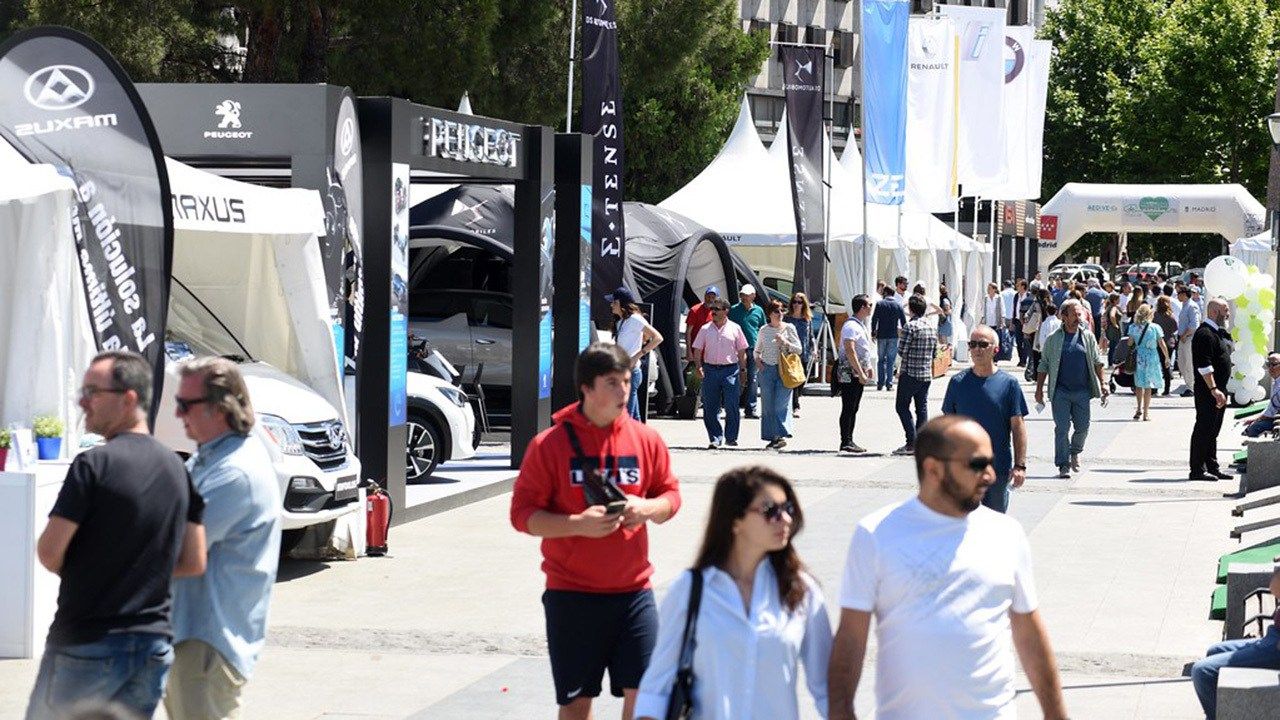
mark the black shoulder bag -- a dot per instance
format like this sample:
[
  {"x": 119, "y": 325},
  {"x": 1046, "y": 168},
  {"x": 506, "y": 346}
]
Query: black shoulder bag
[
  {"x": 598, "y": 488},
  {"x": 680, "y": 706}
]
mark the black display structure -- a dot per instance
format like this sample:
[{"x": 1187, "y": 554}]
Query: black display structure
[
  {"x": 572, "y": 296},
  {"x": 407, "y": 142}
]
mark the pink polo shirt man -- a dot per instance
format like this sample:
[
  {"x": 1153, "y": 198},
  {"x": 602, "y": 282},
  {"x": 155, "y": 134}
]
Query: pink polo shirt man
[{"x": 720, "y": 345}]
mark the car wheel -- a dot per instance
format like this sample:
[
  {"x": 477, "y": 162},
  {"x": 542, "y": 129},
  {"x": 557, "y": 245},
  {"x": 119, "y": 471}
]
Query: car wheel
[{"x": 423, "y": 445}]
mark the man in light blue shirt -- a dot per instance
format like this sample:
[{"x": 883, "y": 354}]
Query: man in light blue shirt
[
  {"x": 1267, "y": 422},
  {"x": 1188, "y": 320},
  {"x": 220, "y": 618}
]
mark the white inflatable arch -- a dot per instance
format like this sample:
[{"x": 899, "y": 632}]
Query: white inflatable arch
[{"x": 1079, "y": 208}]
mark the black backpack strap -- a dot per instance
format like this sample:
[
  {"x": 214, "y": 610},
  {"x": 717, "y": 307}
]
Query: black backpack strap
[
  {"x": 691, "y": 620},
  {"x": 573, "y": 440}
]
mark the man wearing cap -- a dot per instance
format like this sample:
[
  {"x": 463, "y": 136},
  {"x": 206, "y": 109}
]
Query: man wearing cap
[
  {"x": 698, "y": 316},
  {"x": 750, "y": 317},
  {"x": 1188, "y": 321}
]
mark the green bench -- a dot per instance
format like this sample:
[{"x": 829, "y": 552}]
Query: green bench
[
  {"x": 1249, "y": 411},
  {"x": 1257, "y": 554}
]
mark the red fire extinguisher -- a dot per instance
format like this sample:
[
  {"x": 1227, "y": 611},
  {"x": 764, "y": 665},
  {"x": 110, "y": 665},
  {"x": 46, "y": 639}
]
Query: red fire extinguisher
[{"x": 377, "y": 509}]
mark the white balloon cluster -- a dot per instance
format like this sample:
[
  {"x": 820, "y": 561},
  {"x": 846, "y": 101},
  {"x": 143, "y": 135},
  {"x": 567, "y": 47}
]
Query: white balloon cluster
[{"x": 1254, "y": 296}]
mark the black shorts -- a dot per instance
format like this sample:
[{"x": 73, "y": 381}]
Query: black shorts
[{"x": 588, "y": 633}]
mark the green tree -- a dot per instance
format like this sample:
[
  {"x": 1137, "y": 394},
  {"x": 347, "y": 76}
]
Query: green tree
[{"x": 1156, "y": 92}]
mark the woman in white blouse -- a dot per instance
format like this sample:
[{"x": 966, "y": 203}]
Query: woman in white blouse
[
  {"x": 635, "y": 335},
  {"x": 760, "y": 613},
  {"x": 775, "y": 337}
]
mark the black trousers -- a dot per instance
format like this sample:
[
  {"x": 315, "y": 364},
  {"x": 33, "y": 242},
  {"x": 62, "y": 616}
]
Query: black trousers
[
  {"x": 850, "y": 399},
  {"x": 1204, "y": 435},
  {"x": 1019, "y": 341}
]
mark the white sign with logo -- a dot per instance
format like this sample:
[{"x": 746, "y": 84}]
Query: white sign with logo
[{"x": 229, "y": 126}]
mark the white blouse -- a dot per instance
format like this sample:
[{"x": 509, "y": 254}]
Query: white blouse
[
  {"x": 745, "y": 663},
  {"x": 768, "y": 350}
]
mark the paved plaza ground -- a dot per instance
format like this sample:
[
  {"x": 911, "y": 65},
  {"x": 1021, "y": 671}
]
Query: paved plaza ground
[{"x": 450, "y": 624}]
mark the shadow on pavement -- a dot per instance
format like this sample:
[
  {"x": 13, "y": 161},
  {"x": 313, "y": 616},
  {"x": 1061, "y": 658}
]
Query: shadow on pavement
[{"x": 294, "y": 569}]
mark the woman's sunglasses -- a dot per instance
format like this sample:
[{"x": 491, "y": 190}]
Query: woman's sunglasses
[{"x": 772, "y": 511}]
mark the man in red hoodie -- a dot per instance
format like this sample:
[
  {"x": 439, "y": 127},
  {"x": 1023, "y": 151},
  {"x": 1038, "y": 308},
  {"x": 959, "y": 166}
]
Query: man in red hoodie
[{"x": 599, "y": 601}]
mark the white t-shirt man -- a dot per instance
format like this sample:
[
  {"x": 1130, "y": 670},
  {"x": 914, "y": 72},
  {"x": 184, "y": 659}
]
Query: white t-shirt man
[
  {"x": 941, "y": 589},
  {"x": 854, "y": 330}
]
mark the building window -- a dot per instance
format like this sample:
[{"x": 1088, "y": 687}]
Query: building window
[
  {"x": 786, "y": 34},
  {"x": 766, "y": 110},
  {"x": 843, "y": 46},
  {"x": 815, "y": 36}
]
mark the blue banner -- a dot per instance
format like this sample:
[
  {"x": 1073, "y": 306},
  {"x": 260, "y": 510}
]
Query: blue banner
[
  {"x": 884, "y": 98},
  {"x": 584, "y": 270}
]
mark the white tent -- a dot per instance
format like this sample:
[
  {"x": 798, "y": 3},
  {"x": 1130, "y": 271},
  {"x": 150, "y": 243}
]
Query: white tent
[
  {"x": 250, "y": 253},
  {"x": 1227, "y": 210},
  {"x": 1256, "y": 251}
]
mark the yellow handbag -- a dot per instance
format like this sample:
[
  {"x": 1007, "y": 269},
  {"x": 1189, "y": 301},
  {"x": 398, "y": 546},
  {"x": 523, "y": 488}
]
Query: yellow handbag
[{"x": 791, "y": 370}]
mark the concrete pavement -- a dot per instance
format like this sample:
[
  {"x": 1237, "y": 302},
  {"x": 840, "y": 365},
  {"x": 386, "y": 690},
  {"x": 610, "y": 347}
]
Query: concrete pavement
[{"x": 450, "y": 624}]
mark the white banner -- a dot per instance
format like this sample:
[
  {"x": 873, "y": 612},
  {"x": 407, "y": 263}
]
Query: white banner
[
  {"x": 1025, "y": 87},
  {"x": 981, "y": 100},
  {"x": 931, "y": 115}
]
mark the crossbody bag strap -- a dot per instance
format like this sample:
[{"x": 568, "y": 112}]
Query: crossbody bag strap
[{"x": 691, "y": 621}]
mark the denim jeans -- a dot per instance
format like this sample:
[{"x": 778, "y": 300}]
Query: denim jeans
[
  {"x": 1249, "y": 652},
  {"x": 720, "y": 390},
  {"x": 1259, "y": 426},
  {"x": 997, "y": 497},
  {"x": 633, "y": 402},
  {"x": 1070, "y": 407},
  {"x": 128, "y": 668},
  {"x": 750, "y": 387},
  {"x": 775, "y": 405},
  {"x": 910, "y": 389},
  {"x": 887, "y": 350}
]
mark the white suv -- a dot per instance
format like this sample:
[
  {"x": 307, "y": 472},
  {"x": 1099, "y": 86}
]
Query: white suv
[
  {"x": 441, "y": 426},
  {"x": 308, "y": 443}
]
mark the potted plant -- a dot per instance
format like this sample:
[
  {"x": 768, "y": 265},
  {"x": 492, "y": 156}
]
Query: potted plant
[
  {"x": 4, "y": 447},
  {"x": 48, "y": 432}
]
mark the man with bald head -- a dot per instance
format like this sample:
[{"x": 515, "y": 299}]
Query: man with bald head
[
  {"x": 950, "y": 585},
  {"x": 1211, "y": 358},
  {"x": 994, "y": 399}
]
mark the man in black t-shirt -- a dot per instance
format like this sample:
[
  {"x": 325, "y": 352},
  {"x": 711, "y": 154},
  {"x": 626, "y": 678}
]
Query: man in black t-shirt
[{"x": 126, "y": 521}]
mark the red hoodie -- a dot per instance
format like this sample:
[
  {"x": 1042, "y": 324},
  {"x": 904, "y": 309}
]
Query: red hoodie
[{"x": 620, "y": 562}]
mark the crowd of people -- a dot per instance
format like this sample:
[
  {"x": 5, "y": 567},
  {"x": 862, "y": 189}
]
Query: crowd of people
[
  {"x": 734, "y": 630},
  {"x": 167, "y": 568}
]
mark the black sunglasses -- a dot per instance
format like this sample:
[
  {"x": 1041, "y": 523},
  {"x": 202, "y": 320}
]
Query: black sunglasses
[
  {"x": 977, "y": 463},
  {"x": 983, "y": 344},
  {"x": 88, "y": 391},
  {"x": 185, "y": 404},
  {"x": 772, "y": 511}
]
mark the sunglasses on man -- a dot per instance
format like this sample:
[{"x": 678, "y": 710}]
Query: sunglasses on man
[
  {"x": 977, "y": 463},
  {"x": 980, "y": 344},
  {"x": 185, "y": 404}
]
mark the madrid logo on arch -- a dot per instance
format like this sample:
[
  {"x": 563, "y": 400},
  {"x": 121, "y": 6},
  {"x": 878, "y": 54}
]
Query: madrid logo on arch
[{"x": 59, "y": 87}]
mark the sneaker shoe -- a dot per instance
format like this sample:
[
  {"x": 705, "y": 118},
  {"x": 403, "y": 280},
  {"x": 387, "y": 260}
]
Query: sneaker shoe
[
  {"x": 1075, "y": 462},
  {"x": 779, "y": 443},
  {"x": 1187, "y": 393},
  {"x": 854, "y": 447},
  {"x": 732, "y": 443},
  {"x": 1220, "y": 474},
  {"x": 715, "y": 444},
  {"x": 1064, "y": 472},
  {"x": 905, "y": 450},
  {"x": 846, "y": 447}
]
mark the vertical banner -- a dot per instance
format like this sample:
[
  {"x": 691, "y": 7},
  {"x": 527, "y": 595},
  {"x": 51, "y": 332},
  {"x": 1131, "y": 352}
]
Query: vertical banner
[
  {"x": 1038, "y": 97},
  {"x": 803, "y": 69},
  {"x": 344, "y": 265},
  {"x": 980, "y": 104},
  {"x": 66, "y": 102},
  {"x": 399, "y": 358},
  {"x": 548, "y": 245},
  {"x": 602, "y": 117},
  {"x": 884, "y": 98},
  {"x": 931, "y": 115},
  {"x": 584, "y": 271},
  {"x": 1020, "y": 152}
]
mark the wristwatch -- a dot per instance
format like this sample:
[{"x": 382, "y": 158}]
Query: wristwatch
[{"x": 1020, "y": 467}]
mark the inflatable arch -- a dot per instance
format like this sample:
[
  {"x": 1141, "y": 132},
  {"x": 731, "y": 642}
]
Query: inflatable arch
[{"x": 1079, "y": 208}]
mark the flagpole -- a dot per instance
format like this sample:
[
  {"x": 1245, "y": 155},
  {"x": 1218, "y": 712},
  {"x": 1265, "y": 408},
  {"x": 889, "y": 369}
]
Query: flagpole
[
  {"x": 568, "y": 101},
  {"x": 862, "y": 129}
]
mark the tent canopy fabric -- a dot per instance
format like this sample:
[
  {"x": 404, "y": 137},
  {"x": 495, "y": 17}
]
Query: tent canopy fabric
[
  {"x": 249, "y": 252},
  {"x": 670, "y": 259},
  {"x": 1256, "y": 251},
  {"x": 1227, "y": 210}
]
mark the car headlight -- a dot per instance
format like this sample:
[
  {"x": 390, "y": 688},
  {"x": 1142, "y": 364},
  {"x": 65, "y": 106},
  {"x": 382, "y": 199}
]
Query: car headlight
[
  {"x": 282, "y": 433},
  {"x": 456, "y": 396}
]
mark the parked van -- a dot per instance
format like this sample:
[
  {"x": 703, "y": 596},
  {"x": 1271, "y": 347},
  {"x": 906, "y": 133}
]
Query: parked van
[{"x": 309, "y": 445}]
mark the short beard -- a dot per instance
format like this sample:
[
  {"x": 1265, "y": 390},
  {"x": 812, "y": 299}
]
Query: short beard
[{"x": 952, "y": 488}]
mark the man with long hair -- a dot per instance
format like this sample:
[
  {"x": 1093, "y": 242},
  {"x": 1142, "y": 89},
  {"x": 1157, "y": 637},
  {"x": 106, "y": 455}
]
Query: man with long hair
[
  {"x": 220, "y": 618},
  {"x": 588, "y": 486},
  {"x": 950, "y": 585}
]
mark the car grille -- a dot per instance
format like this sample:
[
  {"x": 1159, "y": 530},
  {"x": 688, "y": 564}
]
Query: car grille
[{"x": 317, "y": 445}]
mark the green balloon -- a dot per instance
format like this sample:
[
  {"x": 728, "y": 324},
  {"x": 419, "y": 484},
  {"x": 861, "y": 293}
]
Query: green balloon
[{"x": 1255, "y": 326}]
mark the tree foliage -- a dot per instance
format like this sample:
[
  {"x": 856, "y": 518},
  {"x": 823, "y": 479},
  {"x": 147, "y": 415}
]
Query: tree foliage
[
  {"x": 1156, "y": 91},
  {"x": 683, "y": 62}
]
